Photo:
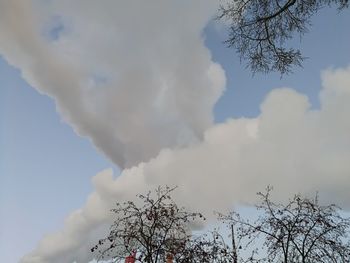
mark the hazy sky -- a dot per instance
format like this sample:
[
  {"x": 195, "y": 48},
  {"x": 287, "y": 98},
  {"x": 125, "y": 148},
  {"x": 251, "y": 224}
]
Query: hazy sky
[{"x": 156, "y": 96}]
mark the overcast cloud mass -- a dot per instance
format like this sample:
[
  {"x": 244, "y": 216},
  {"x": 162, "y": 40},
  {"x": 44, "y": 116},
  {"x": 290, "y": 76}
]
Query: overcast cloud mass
[{"x": 137, "y": 79}]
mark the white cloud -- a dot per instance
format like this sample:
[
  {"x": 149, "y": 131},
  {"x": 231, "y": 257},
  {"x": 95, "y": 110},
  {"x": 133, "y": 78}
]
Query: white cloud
[
  {"x": 136, "y": 78},
  {"x": 133, "y": 76},
  {"x": 289, "y": 145}
]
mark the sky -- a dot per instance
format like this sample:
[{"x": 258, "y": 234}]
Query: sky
[{"x": 100, "y": 102}]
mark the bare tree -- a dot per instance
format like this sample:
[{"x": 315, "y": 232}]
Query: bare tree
[
  {"x": 259, "y": 29},
  {"x": 155, "y": 228},
  {"x": 300, "y": 231},
  {"x": 206, "y": 248}
]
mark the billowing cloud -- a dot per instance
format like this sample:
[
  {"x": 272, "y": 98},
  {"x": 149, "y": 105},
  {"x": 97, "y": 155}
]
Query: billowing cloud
[
  {"x": 132, "y": 76},
  {"x": 289, "y": 145},
  {"x": 136, "y": 78}
]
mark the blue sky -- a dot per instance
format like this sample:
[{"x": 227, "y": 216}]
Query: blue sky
[
  {"x": 46, "y": 168},
  {"x": 325, "y": 46}
]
